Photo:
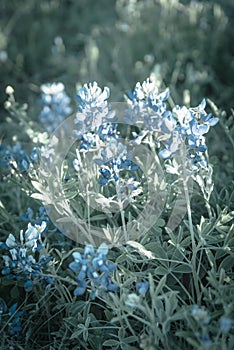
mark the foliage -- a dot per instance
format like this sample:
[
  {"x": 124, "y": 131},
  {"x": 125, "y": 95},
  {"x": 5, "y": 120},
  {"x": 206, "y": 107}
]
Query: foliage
[{"x": 163, "y": 279}]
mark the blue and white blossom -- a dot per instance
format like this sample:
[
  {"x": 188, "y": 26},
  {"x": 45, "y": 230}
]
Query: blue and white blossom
[
  {"x": 93, "y": 109},
  {"x": 114, "y": 158},
  {"x": 93, "y": 271},
  {"x": 16, "y": 157},
  {"x": 55, "y": 105},
  {"x": 12, "y": 317},
  {"x": 147, "y": 105},
  {"x": 21, "y": 261}
]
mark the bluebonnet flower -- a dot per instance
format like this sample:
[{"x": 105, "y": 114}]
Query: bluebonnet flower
[
  {"x": 47, "y": 153},
  {"x": 127, "y": 189},
  {"x": 88, "y": 140},
  {"x": 142, "y": 287},
  {"x": 192, "y": 124},
  {"x": 15, "y": 326},
  {"x": 55, "y": 104},
  {"x": 202, "y": 318},
  {"x": 132, "y": 300},
  {"x": 148, "y": 105},
  {"x": 93, "y": 109},
  {"x": 225, "y": 324},
  {"x": 173, "y": 129},
  {"x": 13, "y": 320},
  {"x": 115, "y": 157},
  {"x": 40, "y": 217},
  {"x": 16, "y": 157},
  {"x": 205, "y": 339},
  {"x": 21, "y": 263},
  {"x": 107, "y": 131},
  {"x": 172, "y": 145},
  {"x": 93, "y": 269},
  {"x": 37, "y": 219},
  {"x": 200, "y": 315}
]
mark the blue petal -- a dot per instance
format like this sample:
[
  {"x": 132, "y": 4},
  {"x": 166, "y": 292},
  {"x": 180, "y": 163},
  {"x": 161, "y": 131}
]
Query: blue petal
[
  {"x": 74, "y": 266},
  {"x": 11, "y": 241},
  {"x": 13, "y": 309},
  {"x": 165, "y": 154},
  {"x": 79, "y": 291},
  {"x": 88, "y": 250},
  {"x": 103, "y": 181},
  {"x": 28, "y": 286},
  {"x": 142, "y": 287},
  {"x": 213, "y": 121},
  {"x": 164, "y": 95},
  {"x": 103, "y": 249}
]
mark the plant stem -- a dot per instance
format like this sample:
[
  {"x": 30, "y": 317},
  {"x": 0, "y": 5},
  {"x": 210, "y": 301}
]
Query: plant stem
[
  {"x": 194, "y": 247},
  {"x": 118, "y": 191}
]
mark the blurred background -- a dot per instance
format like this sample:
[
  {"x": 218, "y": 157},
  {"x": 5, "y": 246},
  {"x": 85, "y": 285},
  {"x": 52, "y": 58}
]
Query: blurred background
[{"x": 187, "y": 44}]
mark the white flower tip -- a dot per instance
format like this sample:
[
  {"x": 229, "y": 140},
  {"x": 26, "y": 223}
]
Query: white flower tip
[{"x": 9, "y": 90}]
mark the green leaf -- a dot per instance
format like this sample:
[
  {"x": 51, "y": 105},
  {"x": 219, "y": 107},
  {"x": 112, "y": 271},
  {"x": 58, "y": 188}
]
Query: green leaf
[
  {"x": 227, "y": 217},
  {"x": 38, "y": 186},
  {"x": 160, "y": 270},
  {"x": 227, "y": 263},
  {"x": 161, "y": 285},
  {"x": 111, "y": 342},
  {"x": 38, "y": 196},
  {"x": 15, "y": 292},
  {"x": 183, "y": 268}
]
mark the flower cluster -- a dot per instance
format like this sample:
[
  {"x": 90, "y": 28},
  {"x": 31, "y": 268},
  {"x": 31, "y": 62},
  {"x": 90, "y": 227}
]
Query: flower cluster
[
  {"x": 55, "y": 104},
  {"x": 93, "y": 109},
  {"x": 93, "y": 269},
  {"x": 21, "y": 263},
  {"x": 202, "y": 318},
  {"x": 133, "y": 299},
  {"x": 36, "y": 219},
  {"x": 16, "y": 157},
  {"x": 94, "y": 117},
  {"x": 190, "y": 126},
  {"x": 172, "y": 129},
  {"x": 14, "y": 318},
  {"x": 115, "y": 157},
  {"x": 41, "y": 217},
  {"x": 147, "y": 105}
]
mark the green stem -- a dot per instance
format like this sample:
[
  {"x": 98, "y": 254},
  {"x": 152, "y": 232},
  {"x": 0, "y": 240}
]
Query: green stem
[
  {"x": 194, "y": 247},
  {"x": 118, "y": 191}
]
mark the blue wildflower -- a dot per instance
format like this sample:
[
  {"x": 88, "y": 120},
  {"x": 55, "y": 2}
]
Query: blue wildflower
[
  {"x": 21, "y": 263},
  {"x": 87, "y": 141},
  {"x": 15, "y": 326},
  {"x": 205, "y": 339},
  {"x": 132, "y": 300},
  {"x": 200, "y": 315},
  {"x": 92, "y": 269},
  {"x": 191, "y": 126},
  {"x": 37, "y": 218},
  {"x": 142, "y": 287},
  {"x": 55, "y": 104},
  {"x": 93, "y": 109},
  {"x": 12, "y": 317},
  {"x": 128, "y": 189},
  {"x": 148, "y": 105},
  {"x": 15, "y": 157},
  {"x": 107, "y": 131},
  {"x": 116, "y": 158},
  {"x": 225, "y": 324}
]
